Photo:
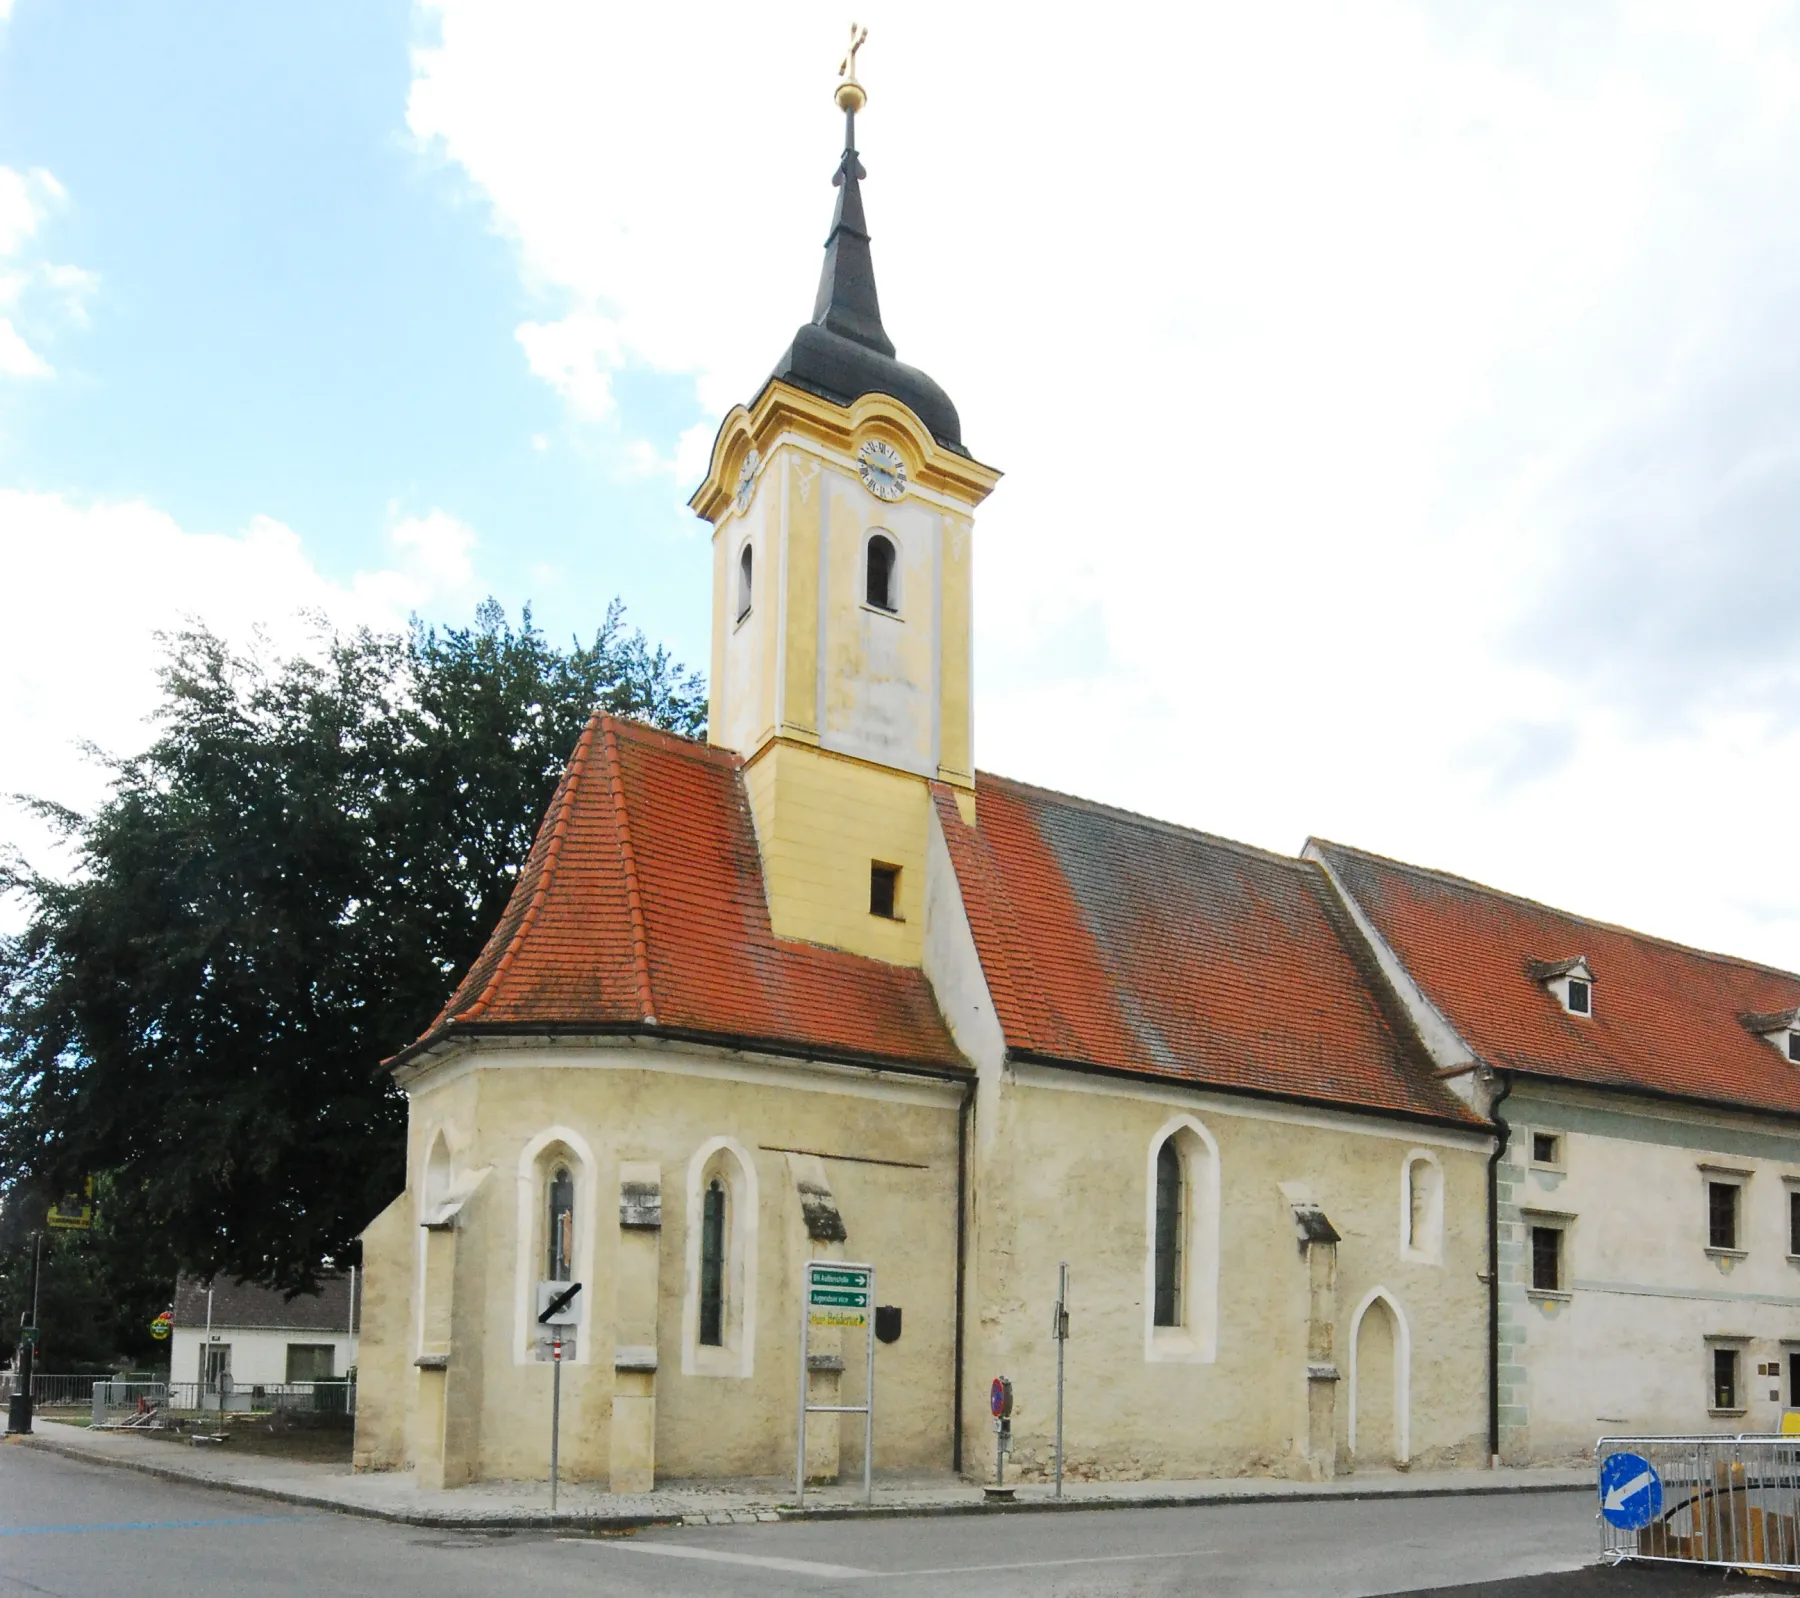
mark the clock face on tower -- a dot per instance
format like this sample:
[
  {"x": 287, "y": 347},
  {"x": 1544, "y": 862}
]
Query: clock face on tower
[
  {"x": 746, "y": 484},
  {"x": 883, "y": 470}
]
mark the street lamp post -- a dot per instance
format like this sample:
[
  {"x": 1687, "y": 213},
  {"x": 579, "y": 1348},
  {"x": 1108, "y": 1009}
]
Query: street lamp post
[{"x": 18, "y": 1412}]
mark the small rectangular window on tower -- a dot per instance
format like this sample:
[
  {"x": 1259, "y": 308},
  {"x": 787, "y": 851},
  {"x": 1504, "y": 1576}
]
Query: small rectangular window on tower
[
  {"x": 884, "y": 890},
  {"x": 1722, "y": 1215}
]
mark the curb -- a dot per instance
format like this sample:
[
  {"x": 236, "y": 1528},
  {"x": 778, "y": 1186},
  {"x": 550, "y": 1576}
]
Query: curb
[{"x": 600, "y": 1523}]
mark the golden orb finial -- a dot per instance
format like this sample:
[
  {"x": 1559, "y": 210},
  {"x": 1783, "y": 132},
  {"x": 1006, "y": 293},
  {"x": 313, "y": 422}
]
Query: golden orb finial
[{"x": 851, "y": 96}]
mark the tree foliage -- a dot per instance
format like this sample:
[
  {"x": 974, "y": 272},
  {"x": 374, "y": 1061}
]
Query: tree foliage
[{"x": 276, "y": 896}]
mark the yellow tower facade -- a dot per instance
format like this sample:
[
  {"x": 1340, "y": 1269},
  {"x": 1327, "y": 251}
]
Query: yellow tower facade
[{"x": 842, "y": 504}]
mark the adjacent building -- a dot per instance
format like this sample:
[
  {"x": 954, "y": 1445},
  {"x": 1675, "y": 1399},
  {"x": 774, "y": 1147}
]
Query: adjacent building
[
  {"x": 234, "y": 1337},
  {"x": 1647, "y": 1202}
]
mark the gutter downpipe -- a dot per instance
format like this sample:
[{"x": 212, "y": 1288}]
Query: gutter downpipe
[
  {"x": 962, "y": 1251},
  {"x": 1493, "y": 1220}
]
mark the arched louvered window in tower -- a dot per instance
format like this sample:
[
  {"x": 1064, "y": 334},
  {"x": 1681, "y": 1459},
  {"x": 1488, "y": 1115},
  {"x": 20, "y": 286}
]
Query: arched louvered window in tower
[
  {"x": 746, "y": 563},
  {"x": 880, "y": 588}
]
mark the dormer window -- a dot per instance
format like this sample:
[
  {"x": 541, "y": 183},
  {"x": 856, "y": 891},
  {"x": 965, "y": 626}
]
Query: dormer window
[
  {"x": 1780, "y": 1029},
  {"x": 1569, "y": 980},
  {"x": 745, "y": 564}
]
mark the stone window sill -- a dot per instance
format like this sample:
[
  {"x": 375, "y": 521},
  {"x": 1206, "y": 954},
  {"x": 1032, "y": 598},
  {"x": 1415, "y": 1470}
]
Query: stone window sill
[
  {"x": 1726, "y": 1414},
  {"x": 1554, "y": 1295},
  {"x": 1731, "y": 1253}
]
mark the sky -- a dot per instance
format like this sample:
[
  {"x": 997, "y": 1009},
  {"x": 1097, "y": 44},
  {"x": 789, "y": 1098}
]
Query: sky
[{"x": 1399, "y": 404}]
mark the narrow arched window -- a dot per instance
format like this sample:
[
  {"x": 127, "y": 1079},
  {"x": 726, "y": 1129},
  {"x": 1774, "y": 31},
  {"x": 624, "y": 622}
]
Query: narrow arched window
[
  {"x": 560, "y": 1264},
  {"x": 712, "y": 1265},
  {"x": 1169, "y": 1218},
  {"x": 880, "y": 590},
  {"x": 745, "y": 563}
]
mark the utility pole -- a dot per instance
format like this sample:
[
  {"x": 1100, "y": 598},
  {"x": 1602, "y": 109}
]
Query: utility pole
[{"x": 18, "y": 1416}]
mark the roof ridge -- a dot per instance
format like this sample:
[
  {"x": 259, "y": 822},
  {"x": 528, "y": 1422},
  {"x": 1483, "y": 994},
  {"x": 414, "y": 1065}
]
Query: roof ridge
[
  {"x": 558, "y": 825},
  {"x": 674, "y": 742},
  {"x": 640, "y": 932},
  {"x": 1715, "y": 955},
  {"x": 1156, "y": 823}
]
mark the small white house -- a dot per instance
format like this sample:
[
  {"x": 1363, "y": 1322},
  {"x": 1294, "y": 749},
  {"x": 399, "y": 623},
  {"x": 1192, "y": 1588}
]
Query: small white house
[{"x": 240, "y": 1337}]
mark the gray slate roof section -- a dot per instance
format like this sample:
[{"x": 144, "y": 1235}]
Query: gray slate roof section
[{"x": 245, "y": 1306}]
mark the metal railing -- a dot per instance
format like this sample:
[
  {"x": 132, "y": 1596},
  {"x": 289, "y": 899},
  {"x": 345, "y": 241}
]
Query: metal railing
[
  {"x": 65, "y": 1392},
  {"x": 112, "y": 1393},
  {"x": 1717, "y": 1500}
]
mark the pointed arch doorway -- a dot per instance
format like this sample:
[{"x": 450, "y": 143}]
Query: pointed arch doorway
[{"x": 1380, "y": 1383}]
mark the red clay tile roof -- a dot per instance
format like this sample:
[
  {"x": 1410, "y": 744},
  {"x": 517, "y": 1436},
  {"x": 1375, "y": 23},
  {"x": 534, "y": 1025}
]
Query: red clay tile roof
[
  {"x": 641, "y": 908},
  {"x": 1665, "y": 1017},
  {"x": 1112, "y": 940}
]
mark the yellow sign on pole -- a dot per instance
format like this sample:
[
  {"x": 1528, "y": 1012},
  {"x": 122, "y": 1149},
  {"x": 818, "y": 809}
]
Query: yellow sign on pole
[
  {"x": 74, "y": 1212},
  {"x": 162, "y": 1325}
]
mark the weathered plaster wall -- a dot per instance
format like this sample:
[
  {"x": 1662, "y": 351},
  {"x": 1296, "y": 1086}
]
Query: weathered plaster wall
[
  {"x": 385, "y": 1375},
  {"x": 1065, "y": 1175},
  {"x": 1625, "y": 1348},
  {"x": 662, "y": 1107},
  {"x": 821, "y": 821}
]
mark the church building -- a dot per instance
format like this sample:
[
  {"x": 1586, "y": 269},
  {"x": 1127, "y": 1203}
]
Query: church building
[{"x": 822, "y": 989}]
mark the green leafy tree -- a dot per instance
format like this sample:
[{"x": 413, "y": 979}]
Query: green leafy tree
[{"x": 276, "y": 896}]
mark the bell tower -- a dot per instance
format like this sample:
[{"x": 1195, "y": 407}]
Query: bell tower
[{"x": 842, "y": 504}]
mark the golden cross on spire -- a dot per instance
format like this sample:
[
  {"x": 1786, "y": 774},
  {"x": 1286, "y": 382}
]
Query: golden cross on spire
[{"x": 851, "y": 96}]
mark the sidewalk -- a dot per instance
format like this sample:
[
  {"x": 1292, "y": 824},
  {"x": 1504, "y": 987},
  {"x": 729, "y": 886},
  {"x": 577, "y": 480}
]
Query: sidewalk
[{"x": 582, "y": 1506}]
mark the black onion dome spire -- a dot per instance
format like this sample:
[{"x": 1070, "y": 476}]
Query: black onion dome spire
[{"x": 844, "y": 352}]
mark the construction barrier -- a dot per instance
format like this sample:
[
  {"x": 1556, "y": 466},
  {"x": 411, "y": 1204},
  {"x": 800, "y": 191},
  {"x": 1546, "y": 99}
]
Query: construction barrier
[{"x": 1730, "y": 1501}]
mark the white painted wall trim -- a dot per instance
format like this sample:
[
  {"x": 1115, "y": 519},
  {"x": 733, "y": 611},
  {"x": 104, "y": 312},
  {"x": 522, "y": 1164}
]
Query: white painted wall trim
[
  {"x": 1196, "y": 1340},
  {"x": 743, "y": 1247},
  {"x": 1402, "y": 1371},
  {"x": 532, "y": 1197},
  {"x": 1202, "y": 1100}
]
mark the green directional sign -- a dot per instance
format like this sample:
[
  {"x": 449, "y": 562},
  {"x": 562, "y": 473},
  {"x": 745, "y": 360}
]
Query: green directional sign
[{"x": 837, "y": 1296}]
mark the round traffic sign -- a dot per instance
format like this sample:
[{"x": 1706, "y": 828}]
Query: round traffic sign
[
  {"x": 1000, "y": 1398},
  {"x": 1631, "y": 1494}
]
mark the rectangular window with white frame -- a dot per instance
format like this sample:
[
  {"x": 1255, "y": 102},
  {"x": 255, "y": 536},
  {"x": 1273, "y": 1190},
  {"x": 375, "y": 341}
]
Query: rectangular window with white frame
[
  {"x": 1726, "y": 1394},
  {"x": 1547, "y": 1270},
  {"x": 1723, "y": 1190}
]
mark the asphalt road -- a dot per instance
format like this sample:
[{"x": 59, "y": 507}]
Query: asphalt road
[{"x": 74, "y": 1530}]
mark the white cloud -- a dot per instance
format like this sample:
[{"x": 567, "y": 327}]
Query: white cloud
[
  {"x": 17, "y": 358},
  {"x": 1371, "y": 384},
  {"x": 93, "y": 583},
  {"x": 26, "y": 199},
  {"x": 577, "y": 357}
]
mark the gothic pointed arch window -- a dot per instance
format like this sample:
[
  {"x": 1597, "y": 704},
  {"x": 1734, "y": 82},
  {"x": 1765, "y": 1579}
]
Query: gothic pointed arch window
[
  {"x": 746, "y": 572},
  {"x": 712, "y": 1265},
  {"x": 881, "y": 581},
  {"x": 1181, "y": 1243},
  {"x": 559, "y": 1232},
  {"x": 1170, "y": 1215}
]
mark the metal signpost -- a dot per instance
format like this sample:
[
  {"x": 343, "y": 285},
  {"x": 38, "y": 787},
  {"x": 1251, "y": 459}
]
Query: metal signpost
[
  {"x": 556, "y": 1314},
  {"x": 1000, "y": 1403},
  {"x": 837, "y": 1294},
  {"x": 1059, "y": 1329}
]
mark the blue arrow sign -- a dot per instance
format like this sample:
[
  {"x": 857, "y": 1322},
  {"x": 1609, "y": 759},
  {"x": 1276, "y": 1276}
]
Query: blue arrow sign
[{"x": 1631, "y": 1494}]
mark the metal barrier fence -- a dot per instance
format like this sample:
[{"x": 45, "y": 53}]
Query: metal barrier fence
[
  {"x": 110, "y": 1393},
  {"x": 1714, "y": 1500}
]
